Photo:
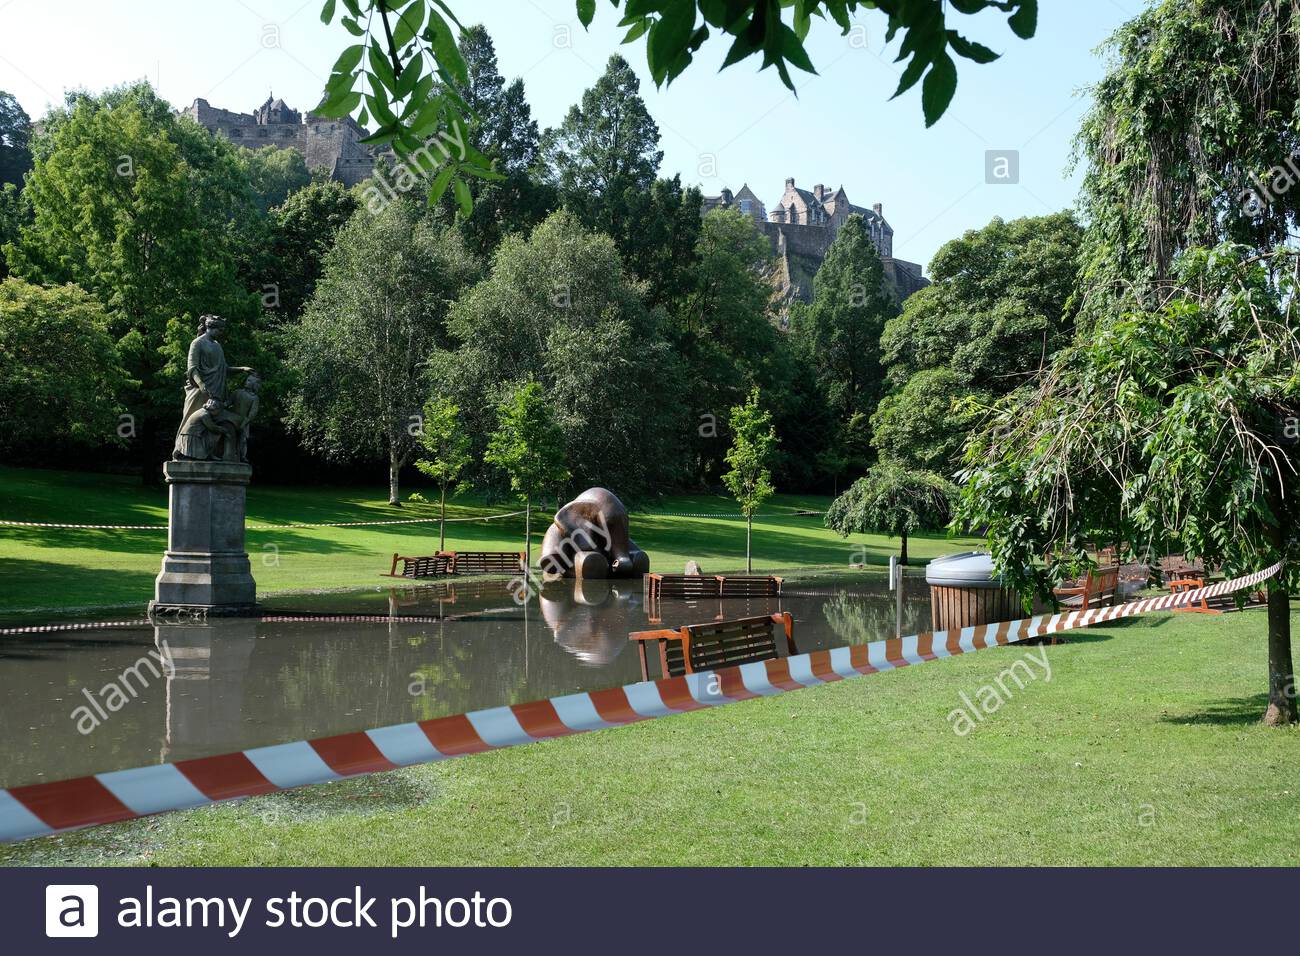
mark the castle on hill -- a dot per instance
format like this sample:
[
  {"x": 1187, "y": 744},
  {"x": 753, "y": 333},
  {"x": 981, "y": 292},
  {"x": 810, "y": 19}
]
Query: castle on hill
[
  {"x": 331, "y": 144},
  {"x": 801, "y": 227}
]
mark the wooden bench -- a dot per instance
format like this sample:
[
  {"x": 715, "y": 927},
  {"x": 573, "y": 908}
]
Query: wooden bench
[
  {"x": 1099, "y": 586},
  {"x": 427, "y": 566},
  {"x": 689, "y": 586},
  {"x": 704, "y": 647},
  {"x": 1181, "y": 585},
  {"x": 457, "y": 562}
]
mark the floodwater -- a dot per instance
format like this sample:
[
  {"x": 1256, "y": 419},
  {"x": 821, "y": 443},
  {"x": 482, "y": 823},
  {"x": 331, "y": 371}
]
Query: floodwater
[{"x": 101, "y": 694}]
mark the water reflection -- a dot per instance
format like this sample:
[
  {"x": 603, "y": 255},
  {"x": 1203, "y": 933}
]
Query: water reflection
[{"x": 341, "y": 662}]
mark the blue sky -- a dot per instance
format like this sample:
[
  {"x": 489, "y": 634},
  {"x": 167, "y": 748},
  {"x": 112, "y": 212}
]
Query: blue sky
[{"x": 718, "y": 129}]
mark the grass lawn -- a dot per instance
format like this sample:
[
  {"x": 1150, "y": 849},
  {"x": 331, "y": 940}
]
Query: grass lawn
[
  {"x": 42, "y": 568},
  {"x": 1144, "y": 747}
]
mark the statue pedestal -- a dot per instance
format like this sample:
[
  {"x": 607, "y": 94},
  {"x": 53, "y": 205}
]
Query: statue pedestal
[{"x": 206, "y": 567}]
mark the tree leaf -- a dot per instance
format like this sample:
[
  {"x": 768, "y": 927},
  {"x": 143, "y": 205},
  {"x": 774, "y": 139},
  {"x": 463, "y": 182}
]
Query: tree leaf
[
  {"x": 937, "y": 90},
  {"x": 327, "y": 12},
  {"x": 586, "y": 12}
]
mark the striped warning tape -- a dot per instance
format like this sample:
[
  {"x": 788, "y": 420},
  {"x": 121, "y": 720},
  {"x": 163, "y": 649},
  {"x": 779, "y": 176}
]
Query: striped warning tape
[
  {"x": 44, "y": 808},
  {"x": 257, "y": 527}
]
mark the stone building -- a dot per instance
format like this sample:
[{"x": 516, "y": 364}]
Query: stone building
[
  {"x": 325, "y": 143},
  {"x": 801, "y": 226}
]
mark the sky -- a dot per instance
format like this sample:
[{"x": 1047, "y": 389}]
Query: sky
[{"x": 717, "y": 129}]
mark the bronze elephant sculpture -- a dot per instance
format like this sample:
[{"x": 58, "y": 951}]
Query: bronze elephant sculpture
[{"x": 589, "y": 539}]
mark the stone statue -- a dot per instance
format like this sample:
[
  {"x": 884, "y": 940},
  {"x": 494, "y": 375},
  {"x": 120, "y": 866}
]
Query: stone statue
[
  {"x": 199, "y": 438},
  {"x": 206, "y": 436},
  {"x": 589, "y": 539}
]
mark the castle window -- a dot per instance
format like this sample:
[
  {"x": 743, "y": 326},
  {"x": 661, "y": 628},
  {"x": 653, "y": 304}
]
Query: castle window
[
  {"x": 794, "y": 215},
  {"x": 262, "y": 132},
  {"x": 746, "y": 206}
]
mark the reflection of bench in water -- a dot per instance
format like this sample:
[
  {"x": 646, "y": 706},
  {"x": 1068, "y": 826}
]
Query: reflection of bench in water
[
  {"x": 711, "y": 585},
  {"x": 444, "y": 563},
  {"x": 702, "y": 647}
]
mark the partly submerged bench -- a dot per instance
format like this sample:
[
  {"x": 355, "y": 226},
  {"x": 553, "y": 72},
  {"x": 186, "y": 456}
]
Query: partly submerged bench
[
  {"x": 691, "y": 586},
  {"x": 457, "y": 562},
  {"x": 704, "y": 647},
  {"x": 1099, "y": 586}
]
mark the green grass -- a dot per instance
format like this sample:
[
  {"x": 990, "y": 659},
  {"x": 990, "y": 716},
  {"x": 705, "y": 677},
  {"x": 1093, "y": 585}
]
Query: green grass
[
  {"x": 48, "y": 569},
  {"x": 1143, "y": 748}
]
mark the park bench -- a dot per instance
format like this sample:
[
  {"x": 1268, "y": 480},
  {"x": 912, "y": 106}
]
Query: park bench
[
  {"x": 704, "y": 647},
  {"x": 1101, "y": 585},
  {"x": 457, "y": 562},
  {"x": 692, "y": 586},
  {"x": 427, "y": 566},
  {"x": 1191, "y": 584}
]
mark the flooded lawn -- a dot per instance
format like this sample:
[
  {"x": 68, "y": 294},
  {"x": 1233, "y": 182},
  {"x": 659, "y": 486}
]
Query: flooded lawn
[{"x": 87, "y": 699}]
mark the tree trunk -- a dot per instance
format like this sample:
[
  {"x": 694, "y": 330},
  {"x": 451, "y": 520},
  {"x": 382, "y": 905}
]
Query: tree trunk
[
  {"x": 902, "y": 557},
  {"x": 528, "y": 532},
  {"x": 442, "y": 521},
  {"x": 749, "y": 538},
  {"x": 394, "y": 468},
  {"x": 1281, "y": 680}
]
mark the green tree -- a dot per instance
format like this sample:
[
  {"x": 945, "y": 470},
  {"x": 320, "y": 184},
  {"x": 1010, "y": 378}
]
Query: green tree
[
  {"x": 15, "y": 136},
  {"x": 502, "y": 128},
  {"x": 446, "y": 449},
  {"x": 558, "y": 307},
  {"x": 895, "y": 501},
  {"x": 1190, "y": 141},
  {"x": 998, "y": 306},
  {"x": 1174, "y": 426},
  {"x": 302, "y": 230},
  {"x": 840, "y": 330},
  {"x": 528, "y": 445},
  {"x": 924, "y": 425},
  {"x": 60, "y": 378},
  {"x": 149, "y": 213},
  {"x": 359, "y": 352},
  {"x": 13, "y": 216},
  {"x": 274, "y": 173},
  {"x": 722, "y": 329},
  {"x": 749, "y": 459}
]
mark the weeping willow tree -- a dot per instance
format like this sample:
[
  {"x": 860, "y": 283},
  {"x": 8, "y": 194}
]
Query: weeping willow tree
[
  {"x": 1174, "y": 425},
  {"x": 1173, "y": 419},
  {"x": 1191, "y": 142}
]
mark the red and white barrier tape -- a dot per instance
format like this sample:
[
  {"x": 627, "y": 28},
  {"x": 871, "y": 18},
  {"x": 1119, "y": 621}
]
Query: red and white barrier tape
[
  {"x": 44, "y": 808},
  {"x": 256, "y": 527}
]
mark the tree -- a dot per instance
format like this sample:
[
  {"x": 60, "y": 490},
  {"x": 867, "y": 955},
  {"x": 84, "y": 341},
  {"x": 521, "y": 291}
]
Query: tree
[
  {"x": 1176, "y": 426},
  {"x": 1190, "y": 142},
  {"x": 46, "y": 334},
  {"x": 924, "y": 425},
  {"x": 302, "y": 230},
  {"x": 558, "y": 308},
  {"x": 360, "y": 350},
  {"x": 149, "y": 213},
  {"x": 998, "y": 307},
  {"x": 274, "y": 173},
  {"x": 840, "y": 331},
  {"x": 447, "y": 448},
  {"x": 895, "y": 501},
  {"x": 722, "y": 328},
  {"x": 749, "y": 458},
  {"x": 502, "y": 128},
  {"x": 13, "y": 216},
  {"x": 390, "y": 74},
  {"x": 15, "y": 134},
  {"x": 529, "y": 447}
]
